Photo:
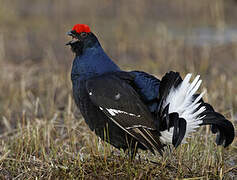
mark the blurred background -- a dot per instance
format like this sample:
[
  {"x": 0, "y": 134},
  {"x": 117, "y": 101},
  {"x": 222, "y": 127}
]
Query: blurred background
[{"x": 154, "y": 36}]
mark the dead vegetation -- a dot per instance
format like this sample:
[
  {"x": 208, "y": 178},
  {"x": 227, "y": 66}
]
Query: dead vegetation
[{"x": 43, "y": 136}]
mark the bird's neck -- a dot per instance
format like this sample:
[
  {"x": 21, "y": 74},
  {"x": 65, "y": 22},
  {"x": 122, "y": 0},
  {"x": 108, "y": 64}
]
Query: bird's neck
[{"x": 92, "y": 62}]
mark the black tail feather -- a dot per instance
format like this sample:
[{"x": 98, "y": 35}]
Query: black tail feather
[
  {"x": 179, "y": 129},
  {"x": 219, "y": 124},
  {"x": 224, "y": 128},
  {"x": 171, "y": 79}
]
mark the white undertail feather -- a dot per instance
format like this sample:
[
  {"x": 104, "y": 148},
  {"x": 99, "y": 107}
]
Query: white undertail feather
[{"x": 180, "y": 100}]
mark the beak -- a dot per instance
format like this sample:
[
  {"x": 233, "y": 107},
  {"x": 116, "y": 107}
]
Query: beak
[{"x": 69, "y": 33}]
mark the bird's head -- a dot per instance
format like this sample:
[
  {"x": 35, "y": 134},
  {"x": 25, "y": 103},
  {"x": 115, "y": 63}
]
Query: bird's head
[{"x": 82, "y": 38}]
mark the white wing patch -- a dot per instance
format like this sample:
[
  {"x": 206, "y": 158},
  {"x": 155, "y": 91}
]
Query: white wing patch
[
  {"x": 139, "y": 126},
  {"x": 114, "y": 112},
  {"x": 181, "y": 100}
]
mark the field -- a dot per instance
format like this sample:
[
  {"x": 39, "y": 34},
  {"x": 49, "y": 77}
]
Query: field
[{"x": 42, "y": 133}]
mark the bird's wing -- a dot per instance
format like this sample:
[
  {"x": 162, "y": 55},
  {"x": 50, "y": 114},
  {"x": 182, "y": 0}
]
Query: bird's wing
[
  {"x": 147, "y": 86},
  {"x": 114, "y": 95}
]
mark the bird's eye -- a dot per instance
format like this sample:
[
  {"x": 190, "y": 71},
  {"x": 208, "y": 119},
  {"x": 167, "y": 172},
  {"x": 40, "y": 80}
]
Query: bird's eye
[{"x": 83, "y": 34}]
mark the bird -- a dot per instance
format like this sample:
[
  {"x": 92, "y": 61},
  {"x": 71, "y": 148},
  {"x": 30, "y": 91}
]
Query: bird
[{"x": 134, "y": 110}]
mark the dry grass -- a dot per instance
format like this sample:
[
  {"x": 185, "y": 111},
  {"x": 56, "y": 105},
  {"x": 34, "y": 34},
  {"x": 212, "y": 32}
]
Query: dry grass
[{"x": 43, "y": 135}]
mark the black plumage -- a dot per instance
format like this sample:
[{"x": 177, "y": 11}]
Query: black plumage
[{"x": 132, "y": 110}]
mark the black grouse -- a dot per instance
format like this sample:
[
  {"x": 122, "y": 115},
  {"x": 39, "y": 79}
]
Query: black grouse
[{"x": 132, "y": 110}]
